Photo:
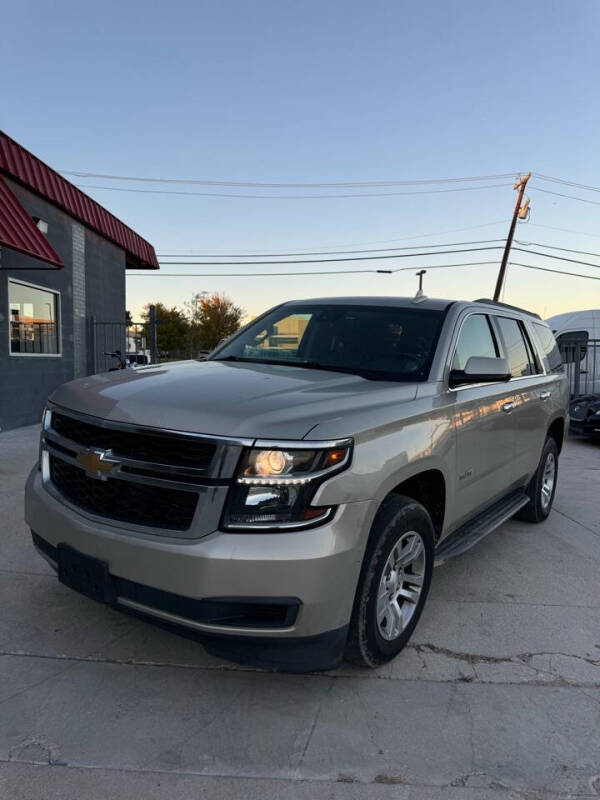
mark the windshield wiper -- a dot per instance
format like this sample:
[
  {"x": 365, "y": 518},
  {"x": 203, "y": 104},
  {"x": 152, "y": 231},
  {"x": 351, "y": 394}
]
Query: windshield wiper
[
  {"x": 367, "y": 374},
  {"x": 281, "y": 361}
]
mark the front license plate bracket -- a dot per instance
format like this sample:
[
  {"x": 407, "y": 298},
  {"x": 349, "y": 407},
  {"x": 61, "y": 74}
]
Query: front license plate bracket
[{"x": 85, "y": 574}]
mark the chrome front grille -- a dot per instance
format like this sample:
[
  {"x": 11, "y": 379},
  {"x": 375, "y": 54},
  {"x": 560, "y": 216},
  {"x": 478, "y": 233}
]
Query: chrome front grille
[
  {"x": 124, "y": 501},
  {"x": 155, "y": 448},
  {"x": 147, "y": 477}
]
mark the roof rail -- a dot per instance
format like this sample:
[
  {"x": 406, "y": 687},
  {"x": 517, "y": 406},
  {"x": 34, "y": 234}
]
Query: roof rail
[{"x": 489, "y": 302}]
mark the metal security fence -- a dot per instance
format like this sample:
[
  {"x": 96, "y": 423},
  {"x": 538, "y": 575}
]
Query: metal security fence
[
  {"x": 104, "y": 338},
  {"x": 135, "y": 342},
  {"x": 581, "y": 357}
]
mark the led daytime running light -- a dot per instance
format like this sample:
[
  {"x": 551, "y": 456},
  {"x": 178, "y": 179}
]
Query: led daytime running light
[{"x": 275, "y": 481}]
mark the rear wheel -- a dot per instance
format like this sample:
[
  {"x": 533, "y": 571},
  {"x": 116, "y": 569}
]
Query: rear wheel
[
  {"x": 542, "y": 486},
  {"x": 393, "y": 584}
]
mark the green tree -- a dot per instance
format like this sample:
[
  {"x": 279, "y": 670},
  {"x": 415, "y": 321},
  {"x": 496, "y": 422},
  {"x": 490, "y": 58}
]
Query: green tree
[
  {"x": 171, "y": 330},
  {"x": 128, "y": 319},
  {"x": 212, "y": 317}
]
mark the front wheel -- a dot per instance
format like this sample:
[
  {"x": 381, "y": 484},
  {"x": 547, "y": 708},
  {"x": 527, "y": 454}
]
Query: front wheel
[
  {"x": 542, "y": 486},
  {"x": 393, "y": 584}
]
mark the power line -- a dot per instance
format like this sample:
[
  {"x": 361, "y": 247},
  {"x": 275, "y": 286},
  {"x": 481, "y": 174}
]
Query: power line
[
  {"x": 557, "y": 258},
  {"x": 564, "y": 230},
  {"x": 302, "y": 185},
  {"x": 555, "y": 247},
  {"x": 319, "y": 253},
  {"x": 331, "y": 247},
  {"x": 374, "y": 258},
  {"x": 325, "y": 184},
  {"x": 303, "y": 272},
  {"x": 569, "y": 196},
  {"x": 249, "y": 274},
  {"x": 566, "y": 182},
  {"x": 325, "y": 260},
  {"x": 556, "y": 271},
  {"x": 349, "y": 272},
  {"x": 289, "y": 196}
]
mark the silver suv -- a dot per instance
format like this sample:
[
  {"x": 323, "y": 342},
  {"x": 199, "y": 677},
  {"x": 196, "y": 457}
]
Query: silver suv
[{"x": 286, "y": 499}]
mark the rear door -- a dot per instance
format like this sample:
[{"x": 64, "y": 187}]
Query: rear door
[
  {"x": 532, "y": 399},
  {"x": 485, "y": 436}
]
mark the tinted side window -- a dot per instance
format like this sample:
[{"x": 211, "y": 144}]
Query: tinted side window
[
  {"x": 552, "y": 356},
  {"x": 475, "y": 339},
  {"x": 534, "y": 359},
  {"x": 516, "y": 349}
]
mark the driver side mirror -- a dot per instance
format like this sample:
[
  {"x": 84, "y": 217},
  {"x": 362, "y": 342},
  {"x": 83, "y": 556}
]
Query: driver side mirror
[{"x": 479, "y": 369}]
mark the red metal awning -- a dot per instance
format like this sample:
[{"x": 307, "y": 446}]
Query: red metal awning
[
  {"x": 19, "y": 232},
  {"x": 19, "y": 164}
]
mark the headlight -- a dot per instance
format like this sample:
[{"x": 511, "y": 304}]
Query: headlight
[{"x": 275, "y": 484}]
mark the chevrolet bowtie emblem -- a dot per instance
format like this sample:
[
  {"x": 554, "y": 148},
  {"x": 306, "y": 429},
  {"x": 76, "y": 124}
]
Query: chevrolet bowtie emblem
[{"x": 97, "y": 463}]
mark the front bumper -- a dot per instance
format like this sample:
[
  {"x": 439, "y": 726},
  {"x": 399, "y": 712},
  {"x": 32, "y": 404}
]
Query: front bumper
[{"x": 318, "y": 567}]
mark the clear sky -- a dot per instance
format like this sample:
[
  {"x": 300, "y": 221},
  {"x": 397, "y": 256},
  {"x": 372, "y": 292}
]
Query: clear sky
[{"x": 319, "y": 91}]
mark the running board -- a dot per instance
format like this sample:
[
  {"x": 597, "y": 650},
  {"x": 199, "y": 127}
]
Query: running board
[{"x": 472, "y": 532}]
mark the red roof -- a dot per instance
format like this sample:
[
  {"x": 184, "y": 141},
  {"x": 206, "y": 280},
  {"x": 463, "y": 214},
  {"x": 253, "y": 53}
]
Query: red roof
[
  {"x": 22, "y": 166},
  {"x": 19, "y": 232}
]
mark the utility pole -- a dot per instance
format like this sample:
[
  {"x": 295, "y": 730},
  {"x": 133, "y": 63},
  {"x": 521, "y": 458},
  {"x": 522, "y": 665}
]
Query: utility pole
[
  {"x": 420, "y": 277},
  {"x": 520, "y": 211}
]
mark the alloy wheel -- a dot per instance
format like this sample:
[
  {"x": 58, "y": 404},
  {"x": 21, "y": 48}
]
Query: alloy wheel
[
  {"x": 548, "y": 479},
  {"x": 400, "y": 585}
]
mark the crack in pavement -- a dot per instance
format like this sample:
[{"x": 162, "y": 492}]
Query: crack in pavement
[
  {"x": 461, "y": 781},
  {"x": 576, "y": 521},
  {"x": 313, "y": 726},
  {"x": 472, "y": 659},
  {"x": 475, "y": 658},
  {"x": 36, "y": 683},
  {"x": 555, "y": 680}
]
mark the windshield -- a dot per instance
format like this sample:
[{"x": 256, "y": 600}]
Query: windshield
[{"x": 376, "y": 342}]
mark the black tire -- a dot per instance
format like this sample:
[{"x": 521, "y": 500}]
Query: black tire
[
  {"x": 398, "y": 515},
  {"x": 538, "y": 509}
]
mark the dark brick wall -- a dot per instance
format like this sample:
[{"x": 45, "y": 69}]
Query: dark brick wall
[
  {"x": 26, "y": 382},
  {"x": 105, "y": 297}
]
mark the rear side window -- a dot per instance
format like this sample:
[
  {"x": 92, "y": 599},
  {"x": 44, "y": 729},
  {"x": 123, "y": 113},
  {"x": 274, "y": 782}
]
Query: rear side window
[
  {"x": 517, "y": 353},
  {"x": 475, "y": 339},
  {"x": 552, "y": 356}
]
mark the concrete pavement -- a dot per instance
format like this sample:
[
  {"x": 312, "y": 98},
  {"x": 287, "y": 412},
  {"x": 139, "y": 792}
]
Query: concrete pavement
[{"x": 498, "y": 695}]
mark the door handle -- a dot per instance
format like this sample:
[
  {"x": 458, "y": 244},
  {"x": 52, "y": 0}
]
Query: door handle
[
  {"x": 508, "y": 407},
  {"x": 545, "y": 395}
]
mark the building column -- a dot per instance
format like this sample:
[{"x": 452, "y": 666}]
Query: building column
[{"x": 80, "y": 355}]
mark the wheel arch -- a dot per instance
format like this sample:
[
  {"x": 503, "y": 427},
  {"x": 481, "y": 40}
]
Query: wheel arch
[
  {"x": 556, "y": 431},
  {"x": 429, "y": 488}
]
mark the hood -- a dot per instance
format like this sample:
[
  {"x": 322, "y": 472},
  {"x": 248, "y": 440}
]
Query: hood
[{"x": 228, "y": 399}]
